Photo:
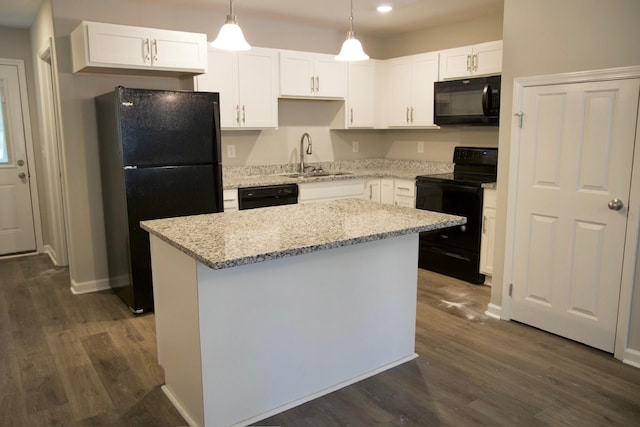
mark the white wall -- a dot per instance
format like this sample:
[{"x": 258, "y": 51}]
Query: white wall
[
  {"x": 86, "y": 233},
  {"x": 548, "y": 37}
]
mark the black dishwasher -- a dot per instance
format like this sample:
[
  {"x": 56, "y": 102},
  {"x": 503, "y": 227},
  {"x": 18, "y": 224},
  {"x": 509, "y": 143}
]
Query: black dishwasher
[{"x": 267, "y": 195}]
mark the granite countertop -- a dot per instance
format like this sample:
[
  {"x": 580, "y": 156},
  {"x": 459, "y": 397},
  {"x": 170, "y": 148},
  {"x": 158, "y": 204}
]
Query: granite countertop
[
  {"x": 230, "y": 239},
  {"x": 363, "y": 169}
]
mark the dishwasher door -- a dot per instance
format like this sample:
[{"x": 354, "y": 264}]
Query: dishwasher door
[{"x": 268, "y": 195}]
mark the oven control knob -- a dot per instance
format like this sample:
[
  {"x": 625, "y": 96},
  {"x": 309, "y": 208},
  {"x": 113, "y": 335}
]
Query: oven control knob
[{"x": 463, "y": 228}]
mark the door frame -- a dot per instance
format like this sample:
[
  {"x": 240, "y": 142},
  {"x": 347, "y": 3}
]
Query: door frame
[
  {"x": 633, "y": 217},
  {"x": 28, "y": 141},
  {"x": 47, "y": 94}
]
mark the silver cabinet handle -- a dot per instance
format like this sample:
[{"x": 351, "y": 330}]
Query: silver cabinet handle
[
  {"x": 370, "y": 191},
  {"x": 244, "y": 115},
  {"x": 474, "y": 62},
  {"x": 155, "y": 50},
  {"x": 411, "y": 114},
  {"x": 238, "y": 114},
  {"x": 468, "y": 62},
  {"x": 351, "y": 115},
  {"x": 317, "y": 84},
  {"x": 313, "y": 84},
  {"x": 484, "y": 224},
  {"x": 147, "y": 50},
  {"x": 407, "y": 114},
  {"x": 616, "y": 204},
  {"x": 22, "y": 175}
]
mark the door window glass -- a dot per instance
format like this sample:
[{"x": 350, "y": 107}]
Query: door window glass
[{"x": 4, "y": 146}]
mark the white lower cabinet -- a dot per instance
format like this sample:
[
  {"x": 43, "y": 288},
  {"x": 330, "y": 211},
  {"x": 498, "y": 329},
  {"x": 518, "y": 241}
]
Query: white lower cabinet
[
  {"x": 331, "y": 190},
  {"x": 230, "y": 200},
  {"x": 488, "y": 234},
  {"x": 404, "y": 193},
  {"x": 400, "y": 192},
  {"x": 373, "y": 190},
  {"x": 386, "y": 190}
]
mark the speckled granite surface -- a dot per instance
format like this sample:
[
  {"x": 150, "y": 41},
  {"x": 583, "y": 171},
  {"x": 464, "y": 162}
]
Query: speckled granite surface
[
  {"x": 251, "y": 176},
  {"x": 230, "y": 239},
  {"x": 489, "y": 186}
]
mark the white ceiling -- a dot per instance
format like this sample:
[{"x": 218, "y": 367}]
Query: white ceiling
[{"x": 407, "y": 15}]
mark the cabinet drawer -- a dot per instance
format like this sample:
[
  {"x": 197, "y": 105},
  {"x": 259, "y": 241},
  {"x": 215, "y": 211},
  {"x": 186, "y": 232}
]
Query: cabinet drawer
[
  {"x": 407, "y": 202},
  {"x": 405, "y": 187}
]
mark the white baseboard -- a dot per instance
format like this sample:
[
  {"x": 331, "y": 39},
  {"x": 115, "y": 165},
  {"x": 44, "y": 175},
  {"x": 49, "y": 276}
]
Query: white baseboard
[
  {"x": 631, "y": 357},
  {"x": 78, "y": 288},
  {"x": 493, "y": 311},
  {"x": 47, "y": 249}
]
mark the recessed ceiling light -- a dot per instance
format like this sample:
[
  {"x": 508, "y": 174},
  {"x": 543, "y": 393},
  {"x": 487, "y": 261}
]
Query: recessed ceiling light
[{"x": 384, "y": 8}]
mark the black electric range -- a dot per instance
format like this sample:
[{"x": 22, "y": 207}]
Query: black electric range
[{"x": 456, "y": 251}]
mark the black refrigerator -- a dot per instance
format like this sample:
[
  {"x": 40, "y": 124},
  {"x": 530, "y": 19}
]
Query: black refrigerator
[{"x": 159, "y": 158}]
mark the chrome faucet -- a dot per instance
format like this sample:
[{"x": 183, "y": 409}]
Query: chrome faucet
[{"x": 309, "y": 150}]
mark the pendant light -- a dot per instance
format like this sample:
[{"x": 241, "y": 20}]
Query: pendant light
[
  {"x": 230, "y": 36},
  {"x": 351, "y": 48}
]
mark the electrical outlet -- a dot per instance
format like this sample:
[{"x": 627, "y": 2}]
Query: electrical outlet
[
  {"x": 355, "y": 146},
  {"x": 231, "y": 151},
  {"x": 420, "y": 146}
]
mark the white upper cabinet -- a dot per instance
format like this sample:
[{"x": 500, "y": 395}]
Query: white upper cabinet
[
  {"x": 476, "y": 60},
  {"x": 104, "y": 47},
  {"x": 312, "y": 75},
  {"x": 246, "y": 82},
  {"x": 410, "y": 90},
  {"x": 361, "y": 97}
]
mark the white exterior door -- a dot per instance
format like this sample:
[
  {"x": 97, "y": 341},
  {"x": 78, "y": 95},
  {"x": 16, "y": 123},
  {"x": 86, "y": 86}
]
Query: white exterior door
[
  {"x": 17, "y": 232},
  {"x": 575, "y": 158}
]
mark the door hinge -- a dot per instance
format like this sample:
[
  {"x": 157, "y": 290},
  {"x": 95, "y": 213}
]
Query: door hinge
[{"x": 510, "y": 289}]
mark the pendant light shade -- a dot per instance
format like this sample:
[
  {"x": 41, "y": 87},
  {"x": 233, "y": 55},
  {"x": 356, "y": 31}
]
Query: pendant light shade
[
  {"x": 230, "y": 36},
  {"x": 351, "y": 48}
]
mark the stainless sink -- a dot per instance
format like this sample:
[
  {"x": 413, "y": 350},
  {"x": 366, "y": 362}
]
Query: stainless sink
[{"x": 314, "y": 174}]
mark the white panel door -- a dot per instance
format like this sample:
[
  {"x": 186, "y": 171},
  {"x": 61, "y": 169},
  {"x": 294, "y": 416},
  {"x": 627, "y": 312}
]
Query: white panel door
[
  {"x": 17, "y": 233},
  {"x": 576, "y": 151}
]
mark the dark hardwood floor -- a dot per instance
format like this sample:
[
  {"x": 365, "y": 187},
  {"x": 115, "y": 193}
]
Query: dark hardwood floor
[{"x": 85, "y": 360}]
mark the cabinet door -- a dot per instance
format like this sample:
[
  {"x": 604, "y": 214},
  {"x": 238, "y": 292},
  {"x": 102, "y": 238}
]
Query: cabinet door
[
  {"x": 230, "y": 200},
  {"x": 488, "y": 241},
  {"x": 296, "y": 72},
  {"x": 425, "y": 73},
  {"x": 120, "y": 45},
  {"x": 331, "y": 81},
  {"x": 487, "y": 58},
  {"x": 361, "y": 94},
  {"x": 178, "y": 50},
  {"x": 222, "y": 77},
  {"x": 455, "y": 63},
  {"x": 257, "y": 74},
  {"x": 373, "y": 190},
  {"x": 399, "y": 91},
  {"x": 386, "y": 191}
]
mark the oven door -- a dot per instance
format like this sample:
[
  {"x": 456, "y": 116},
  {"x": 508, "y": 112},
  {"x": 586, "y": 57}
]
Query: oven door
[
  {"x": 452, "y": 251},
  {"x": 453, "y": 199}
]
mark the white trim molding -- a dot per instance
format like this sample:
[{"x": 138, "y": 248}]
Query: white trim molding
[
  {"x": 494, "y": 311},
  {"x": 632, "y": 357}
]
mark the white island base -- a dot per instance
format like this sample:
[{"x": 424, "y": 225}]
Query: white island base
[{"x": 241, "y": 344}]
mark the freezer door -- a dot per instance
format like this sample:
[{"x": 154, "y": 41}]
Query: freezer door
[
  {"x": 161, "y": 127},
  {"x": 163, "y": 192}
]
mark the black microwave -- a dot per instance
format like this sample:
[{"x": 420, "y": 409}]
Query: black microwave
[{"x": 472, "y": 102}]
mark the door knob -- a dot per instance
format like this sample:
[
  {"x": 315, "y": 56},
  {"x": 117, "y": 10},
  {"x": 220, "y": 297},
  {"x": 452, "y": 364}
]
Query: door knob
[
  {"x": 22, "y": 175},
  {"x": 616, "y": 204}
]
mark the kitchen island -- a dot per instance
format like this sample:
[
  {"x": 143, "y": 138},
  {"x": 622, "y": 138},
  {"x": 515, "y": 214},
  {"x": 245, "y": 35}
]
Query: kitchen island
[{"x": 258, "y": 311}]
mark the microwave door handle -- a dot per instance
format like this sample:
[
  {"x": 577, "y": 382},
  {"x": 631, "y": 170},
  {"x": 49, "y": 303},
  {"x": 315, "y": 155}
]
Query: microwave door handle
[{"x": 486, "y": 100}]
